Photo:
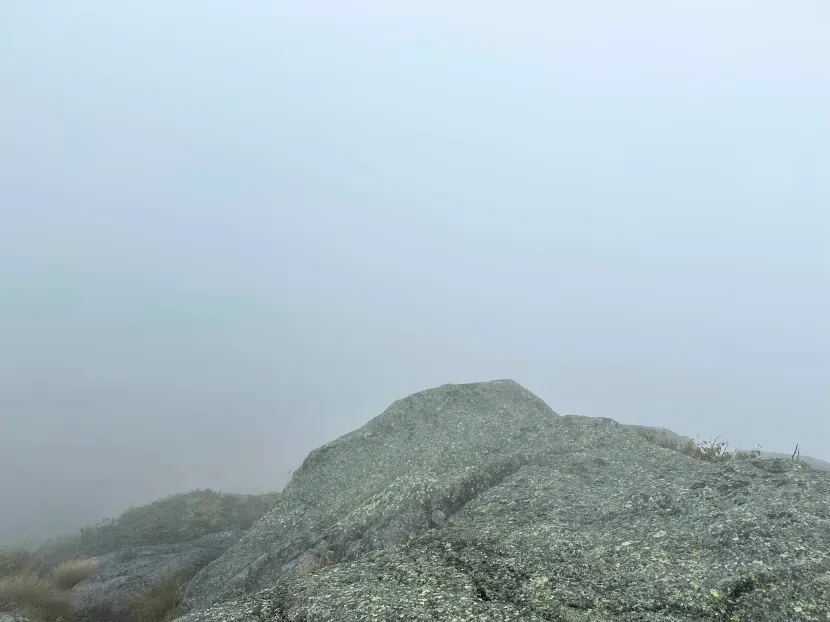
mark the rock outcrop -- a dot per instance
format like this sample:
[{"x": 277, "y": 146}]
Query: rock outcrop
[
  {"x": 478, "y": 502},
  {"x": 131, "y": 572}
]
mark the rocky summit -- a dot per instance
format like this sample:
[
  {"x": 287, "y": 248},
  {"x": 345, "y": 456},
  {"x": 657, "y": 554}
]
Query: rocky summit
[{"x": 478, "y": 502}]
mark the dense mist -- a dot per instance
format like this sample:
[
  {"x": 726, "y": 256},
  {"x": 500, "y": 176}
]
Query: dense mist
[{"x": 230, "y": 233}]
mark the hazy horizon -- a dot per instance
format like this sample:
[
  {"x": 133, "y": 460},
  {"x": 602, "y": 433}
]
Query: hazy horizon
[{"x": 231, "y": 234}]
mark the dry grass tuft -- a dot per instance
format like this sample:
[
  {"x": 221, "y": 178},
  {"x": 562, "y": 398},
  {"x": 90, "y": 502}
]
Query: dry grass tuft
[
  {"x": 317, "y": 561},
  {"x": 159, "y": 603},
  {"x": 70, "y": 573},
  {"x": 29, "y": 592}
]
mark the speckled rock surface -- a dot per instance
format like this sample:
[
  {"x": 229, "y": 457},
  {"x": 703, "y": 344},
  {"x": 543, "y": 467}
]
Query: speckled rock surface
[{"x": 478, "y": 502}]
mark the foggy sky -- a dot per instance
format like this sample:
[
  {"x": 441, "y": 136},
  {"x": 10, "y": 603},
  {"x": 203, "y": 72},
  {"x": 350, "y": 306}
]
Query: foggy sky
[{"x": 232, "y": 232}]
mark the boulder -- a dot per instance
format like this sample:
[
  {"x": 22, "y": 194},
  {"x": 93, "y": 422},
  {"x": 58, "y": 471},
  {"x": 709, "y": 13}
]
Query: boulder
[
  {"x": 131, "y": 572},
  {"x": 479, "y": 502}
]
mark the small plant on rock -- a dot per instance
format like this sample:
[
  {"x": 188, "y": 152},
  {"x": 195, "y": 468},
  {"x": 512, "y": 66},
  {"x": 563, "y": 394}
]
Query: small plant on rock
[
  {"x": 708, "y": 451},
  {"x": 751, "y": 454}
]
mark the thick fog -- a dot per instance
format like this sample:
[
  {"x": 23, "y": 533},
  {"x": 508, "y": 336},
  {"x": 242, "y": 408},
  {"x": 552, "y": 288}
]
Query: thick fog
[{"x": 232, "y": 232}]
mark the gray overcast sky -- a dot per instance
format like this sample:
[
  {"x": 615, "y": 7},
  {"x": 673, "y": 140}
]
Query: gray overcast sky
[{"x": 231, "y": 232}]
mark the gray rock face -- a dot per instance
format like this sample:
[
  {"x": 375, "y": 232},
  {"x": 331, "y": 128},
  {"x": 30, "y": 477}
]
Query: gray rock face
[
  {"x": 127, "y": 573},
  {"x": 479, "y": 502}
]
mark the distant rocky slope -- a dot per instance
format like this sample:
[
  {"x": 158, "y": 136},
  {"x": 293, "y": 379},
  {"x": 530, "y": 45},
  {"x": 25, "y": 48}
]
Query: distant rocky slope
[
  {"x": 478, "y": 502},
  {"x": 175, "y": 519},
  {"x": 127, "y": 568}
]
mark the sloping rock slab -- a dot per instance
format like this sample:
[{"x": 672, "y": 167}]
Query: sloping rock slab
[
  {"x": 477, "y": 502},
  {"x": 130, "y": 572}
]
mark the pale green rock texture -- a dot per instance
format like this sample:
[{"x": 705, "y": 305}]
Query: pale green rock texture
[{"x": 478, "y": 502}]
